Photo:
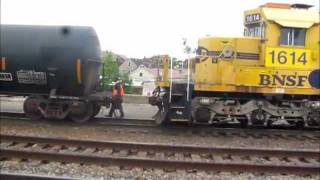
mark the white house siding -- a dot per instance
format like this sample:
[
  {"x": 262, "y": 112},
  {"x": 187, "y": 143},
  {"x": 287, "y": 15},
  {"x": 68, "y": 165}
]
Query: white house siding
[
  {"x": 148, "y": 88},
  {"x": 127, "y": 67},
  {"x": 141, "y": 75}
]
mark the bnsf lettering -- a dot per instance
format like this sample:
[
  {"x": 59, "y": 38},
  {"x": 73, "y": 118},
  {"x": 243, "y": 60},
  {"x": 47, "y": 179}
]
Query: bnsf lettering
[{"x": 283, "y": 80}]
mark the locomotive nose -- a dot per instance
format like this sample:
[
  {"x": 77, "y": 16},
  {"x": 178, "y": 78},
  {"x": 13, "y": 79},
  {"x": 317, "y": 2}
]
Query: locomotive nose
[{"x": 314, "y": 79}]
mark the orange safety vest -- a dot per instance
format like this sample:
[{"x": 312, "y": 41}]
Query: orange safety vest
[{"x": 115, "y": 92}]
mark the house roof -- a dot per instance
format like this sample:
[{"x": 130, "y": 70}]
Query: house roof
[
  {"x": 147, "y": 62},
  {"x": 121, "y": 59}
]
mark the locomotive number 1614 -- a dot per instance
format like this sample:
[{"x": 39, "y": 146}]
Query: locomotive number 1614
[{"x": 288, "y": 58}]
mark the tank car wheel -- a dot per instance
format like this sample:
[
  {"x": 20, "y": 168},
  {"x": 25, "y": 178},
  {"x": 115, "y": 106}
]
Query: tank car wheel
[
  {"x": 31, "y": 108},
  {"x": 82, "y": 112},
  {"x": 96, "y": 109}
]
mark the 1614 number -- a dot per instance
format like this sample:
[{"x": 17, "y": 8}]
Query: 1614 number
[{"x": 282, "y": 57}]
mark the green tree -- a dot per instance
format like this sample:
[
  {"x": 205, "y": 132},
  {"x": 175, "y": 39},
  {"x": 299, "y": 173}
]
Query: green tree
[
  {"x": 127, "y": 82},
  {"x": 110, "y": 72}
]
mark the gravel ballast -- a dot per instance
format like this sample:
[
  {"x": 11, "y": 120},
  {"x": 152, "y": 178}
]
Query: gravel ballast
[
  {"x": 113, "y": 172},
  {"x": 156, "y": 135},
  {"x": 132, "y": 134}
]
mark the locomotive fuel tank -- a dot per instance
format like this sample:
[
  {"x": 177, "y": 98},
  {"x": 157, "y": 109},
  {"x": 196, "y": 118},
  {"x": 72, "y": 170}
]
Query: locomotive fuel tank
[{"x": 39, "y": 59}]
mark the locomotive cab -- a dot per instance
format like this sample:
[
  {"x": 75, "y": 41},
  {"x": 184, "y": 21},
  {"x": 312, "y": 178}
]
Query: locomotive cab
[
  {"x": 269, "y": 75},
  {"x": 279, "y": 41}
]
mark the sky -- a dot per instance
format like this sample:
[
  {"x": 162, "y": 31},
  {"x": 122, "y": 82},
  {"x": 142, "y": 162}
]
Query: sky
[{"x": 140, "y": 28}]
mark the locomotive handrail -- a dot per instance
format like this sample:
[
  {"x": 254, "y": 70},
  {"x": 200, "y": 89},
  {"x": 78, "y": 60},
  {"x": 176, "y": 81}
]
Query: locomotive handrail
[
  {"x": 170, "y": 93},
  {"x": 188, "y": 83}
]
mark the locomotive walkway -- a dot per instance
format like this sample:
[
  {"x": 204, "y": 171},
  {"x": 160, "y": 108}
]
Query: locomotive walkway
[{"x": 163, "y": 156}]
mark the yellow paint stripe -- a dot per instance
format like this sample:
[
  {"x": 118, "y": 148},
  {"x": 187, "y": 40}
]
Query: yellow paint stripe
[
  {"x": 78, "y": 66},
  {"x": 3, "y": 63}
]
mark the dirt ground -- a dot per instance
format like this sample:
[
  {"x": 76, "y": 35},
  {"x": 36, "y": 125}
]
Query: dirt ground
[{"x": 140, "y": 111}]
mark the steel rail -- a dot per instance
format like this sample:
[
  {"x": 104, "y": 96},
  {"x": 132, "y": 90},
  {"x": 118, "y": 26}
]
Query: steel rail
[
  {"x": 17, "y": 176},
  {"x": 155, "y": 163},
  {"x": 162, "y": 147},
  {"x": 151, "y": 123},
  {"x": 179, "y": 128},
  {"x": 101, "y": 120}
]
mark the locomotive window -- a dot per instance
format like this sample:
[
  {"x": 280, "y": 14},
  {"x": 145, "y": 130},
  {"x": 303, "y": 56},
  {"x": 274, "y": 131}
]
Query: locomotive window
[
  {"x": 299, "y": 36},
  {"x": 255, "y": 30},
  {"x": 263, "y": 30},
  {"x": 292, "y": 36}
]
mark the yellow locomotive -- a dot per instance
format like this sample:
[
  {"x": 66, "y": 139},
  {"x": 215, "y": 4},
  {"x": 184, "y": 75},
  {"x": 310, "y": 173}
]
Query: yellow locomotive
[{"x": 271, "y": 74}]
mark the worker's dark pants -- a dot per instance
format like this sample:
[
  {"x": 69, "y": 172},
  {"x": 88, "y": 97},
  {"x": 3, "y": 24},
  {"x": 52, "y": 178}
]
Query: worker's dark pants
[{"x": 116, "y": 103}]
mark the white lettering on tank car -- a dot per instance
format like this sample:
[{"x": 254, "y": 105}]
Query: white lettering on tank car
[
  {"x": 31, "y": 77},
  {"x": 5, "y": 77}
]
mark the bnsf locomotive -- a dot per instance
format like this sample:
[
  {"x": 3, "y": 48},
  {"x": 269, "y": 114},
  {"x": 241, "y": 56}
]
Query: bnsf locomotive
[
  {"x": 271, "y": 74},
  {"x": 57, "y": 67}
]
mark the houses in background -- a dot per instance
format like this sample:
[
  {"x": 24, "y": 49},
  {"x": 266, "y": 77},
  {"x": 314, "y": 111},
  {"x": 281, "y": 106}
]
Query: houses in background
[
  {"x": 145, "y": 77},
  {"x": 128, "y": 65},
  {"x": 143, "y": 72}
]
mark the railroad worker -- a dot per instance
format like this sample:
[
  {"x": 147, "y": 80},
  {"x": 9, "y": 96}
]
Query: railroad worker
[{"x": 116, "y": 101}]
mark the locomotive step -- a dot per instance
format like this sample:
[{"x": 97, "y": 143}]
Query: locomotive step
[
  {"x": 177, "y": 107},
  {"x": 177, "y": 94}
]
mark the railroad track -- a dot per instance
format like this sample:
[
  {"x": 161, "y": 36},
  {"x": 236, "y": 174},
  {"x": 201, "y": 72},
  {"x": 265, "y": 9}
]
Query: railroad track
[
  {"x": 148, "y": 126},
  {"x": 161, "y": 156},
  {"x": 95, "y": 120},
  {"x": 13, "y": 176},
  {"x": 151, "y": 123}
]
